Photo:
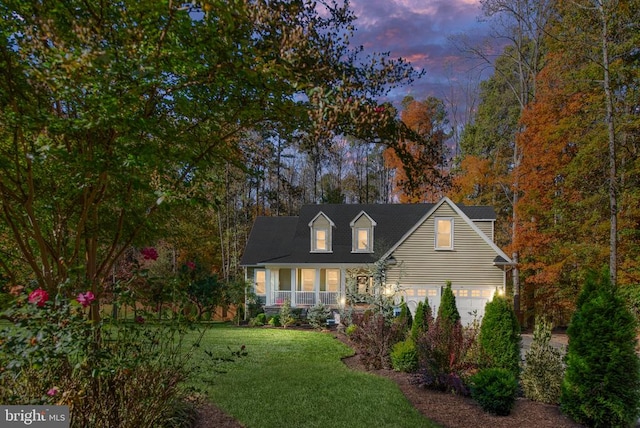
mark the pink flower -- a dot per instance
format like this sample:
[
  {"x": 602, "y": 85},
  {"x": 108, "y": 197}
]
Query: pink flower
[
  {"x": 149, "y": 253},
  {"x": 53, "y": 391},
  {"x": 191, "y": 265},
  {"x": 38, "y": 297},
  {"x": 140, "y": 319},
  {"x": 85, "y": 299}
]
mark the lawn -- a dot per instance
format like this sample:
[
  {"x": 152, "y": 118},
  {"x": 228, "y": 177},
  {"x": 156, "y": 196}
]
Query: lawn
[{"x": 293, "y": 378}]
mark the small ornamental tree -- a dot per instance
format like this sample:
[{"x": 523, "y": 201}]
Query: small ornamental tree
[
  {"x": 500, "y": 335},
  {"x": 448, "y": 309},
  {"x": 601, "y": 386},
  {"x": 422, "y": 320}
]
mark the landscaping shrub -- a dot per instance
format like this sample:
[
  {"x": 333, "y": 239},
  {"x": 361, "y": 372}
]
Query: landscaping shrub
[
  {"x": 500, "y": 335},
  {"x": 286, "y": 314},
  {"x": 601, "y": 386},
  {"x": 109, "y": 374},
  {"x": 350, "y": 329},
  {"x": 374, "y": 337},
  {"x": 422, "y": 320},
  {"x": 404, "y": 316},
  {"x": 445, "y": 357},
  {"x": 259, "y": 320},
  {"x": 318, "y": 315},
  {"x": 542, "y": 372},
  {"x": 404, "y": 357},
  {"x": 274, "y": 321},
  {"x": 495, "y": 390},
  {"x": 448, "y": 310}
]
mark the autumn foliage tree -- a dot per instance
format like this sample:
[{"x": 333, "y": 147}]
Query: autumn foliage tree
[{"x": 419, "y": 156}]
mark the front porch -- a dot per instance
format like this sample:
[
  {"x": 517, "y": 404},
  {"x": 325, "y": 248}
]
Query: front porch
[{"x": 302, "y": 287}]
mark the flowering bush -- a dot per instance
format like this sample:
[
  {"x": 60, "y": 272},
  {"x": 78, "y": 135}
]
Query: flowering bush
[
  {"x": 149, "y": 253},
  {"x": 38, "y": 297},
  {"x": 112, "y": 374}
]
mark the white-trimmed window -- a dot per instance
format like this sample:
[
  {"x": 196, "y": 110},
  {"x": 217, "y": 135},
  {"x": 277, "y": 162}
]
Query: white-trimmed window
[
  {"x": 363, "y": 242},
  {"x": 444, "y": 233},
  {"x": 260, "y": 280},
  {"x": 320, "y": 239},
  {"x": 307, "y": 280},
  {"x": 330, "y": 280}
]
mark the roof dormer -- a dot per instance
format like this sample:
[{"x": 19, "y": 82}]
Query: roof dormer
[
  {"x": 362, "y": 227},
  {"x": 321, "y": 228}
]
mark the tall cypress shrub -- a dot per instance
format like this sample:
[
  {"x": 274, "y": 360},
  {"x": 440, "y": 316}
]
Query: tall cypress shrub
[
  {"x": 448, "y": 310},
  {"x": 422, "y": 320},
  {"x": 405, "y": 314},
  {"x": 601, "y": 386},
  {"x": 500, "y": 335}
]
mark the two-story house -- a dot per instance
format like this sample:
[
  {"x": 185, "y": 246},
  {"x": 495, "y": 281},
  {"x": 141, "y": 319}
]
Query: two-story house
[{"x": 312, "y": 257}]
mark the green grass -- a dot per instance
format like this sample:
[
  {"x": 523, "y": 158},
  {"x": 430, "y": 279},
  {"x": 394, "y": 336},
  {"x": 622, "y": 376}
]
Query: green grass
[{"x": 293, "y": 378}]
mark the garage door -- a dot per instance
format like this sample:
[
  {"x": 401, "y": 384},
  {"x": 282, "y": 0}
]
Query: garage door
[
  {"x": 471, "y": 301},
  {"x": 417, "y": 294}
]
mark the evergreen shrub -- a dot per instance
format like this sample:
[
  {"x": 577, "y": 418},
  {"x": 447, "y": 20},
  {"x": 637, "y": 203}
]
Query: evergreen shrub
[
  {"x": 542, "y": 372},
  {"x": 287, "y": 317},
  {"x": 448, "y": 311},
  {"x": 405, "y": 315},
  {"x": 601, "y": 386},
  {"x": 318, "y": 315},
  {"x": 500, "y": 335},
  {"x": 422, "y": 320},
  {"x": 404, "y": 357},
  {"x": 495, "y": 390},
  {"x": 274, "y": 321}
]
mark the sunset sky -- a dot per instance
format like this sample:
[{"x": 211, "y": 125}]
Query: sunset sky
[{"x": 419, "y": 31}]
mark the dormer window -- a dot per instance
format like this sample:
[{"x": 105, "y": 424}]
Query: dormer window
[
  {"x": 321, "y": 231},
  {"x": 362, "y": 231},
  {"x": 444, "y": 233},
  {"x": 362, "y": 239},
  {"x": 321, "y": 239}
]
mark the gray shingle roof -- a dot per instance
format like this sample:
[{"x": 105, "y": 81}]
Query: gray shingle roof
[{"x": 285, "y": 240}]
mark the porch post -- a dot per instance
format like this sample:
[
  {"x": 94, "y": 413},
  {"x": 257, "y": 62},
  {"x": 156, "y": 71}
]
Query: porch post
[
  {"x": 267, "y": 287},
  {"x": 316, "y": 287},
  {"x": 294, "y": 286}
]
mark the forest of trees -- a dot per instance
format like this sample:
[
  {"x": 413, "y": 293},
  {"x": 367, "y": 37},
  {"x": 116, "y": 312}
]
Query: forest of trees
[{"x": 155, "y": 122}]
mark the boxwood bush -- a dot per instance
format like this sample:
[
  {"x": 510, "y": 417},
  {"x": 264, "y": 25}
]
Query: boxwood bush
[
  {"x": 404, "y": 357},
  {"x": 495, "y": 390}
]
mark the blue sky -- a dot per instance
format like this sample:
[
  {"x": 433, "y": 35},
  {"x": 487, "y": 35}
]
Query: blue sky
[{"x": 419, "y": 31}]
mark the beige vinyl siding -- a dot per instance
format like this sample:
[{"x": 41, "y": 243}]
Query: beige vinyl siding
[
  {"x": 363, "y": 222},
  {"x": 470, "y": 262},
  {"x": 486, "y": 227}
]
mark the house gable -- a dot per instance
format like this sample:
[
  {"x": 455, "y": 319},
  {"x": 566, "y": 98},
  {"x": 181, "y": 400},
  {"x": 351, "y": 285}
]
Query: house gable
[{"x": 470, "y": 261}]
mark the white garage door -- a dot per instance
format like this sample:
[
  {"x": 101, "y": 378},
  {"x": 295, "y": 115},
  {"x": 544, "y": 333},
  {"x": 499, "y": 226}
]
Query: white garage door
[{"x": 471, "y": 302}]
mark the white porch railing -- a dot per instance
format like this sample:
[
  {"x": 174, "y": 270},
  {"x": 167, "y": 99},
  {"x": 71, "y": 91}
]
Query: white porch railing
[
  {"x": 306, "y": 298},
  {"x": 330, "y": 298},
  {"x": 279, "y": 297}
]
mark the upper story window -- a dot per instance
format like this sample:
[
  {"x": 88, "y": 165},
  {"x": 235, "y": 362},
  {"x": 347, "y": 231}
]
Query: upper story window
[
  {"x": 362, "y": 231},
  {"x": 362, "y": 239},
  {"x": 444, "y": 233},
  {"x": 321, "y": 233}
]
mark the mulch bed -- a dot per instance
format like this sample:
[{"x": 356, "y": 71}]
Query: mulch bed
[{"x": 447, "y": 410}]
